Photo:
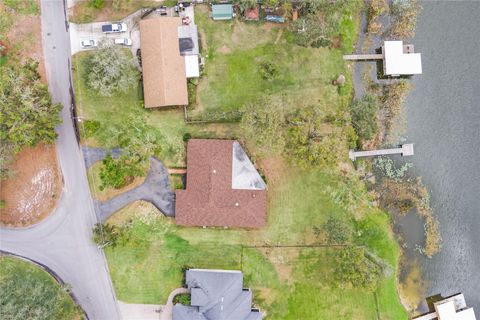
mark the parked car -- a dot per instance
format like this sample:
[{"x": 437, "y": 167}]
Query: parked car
[
  {"x": 124, "y": 41},
  {"x": 88, "y": 43},
  {"x": 114, "y": 27}
]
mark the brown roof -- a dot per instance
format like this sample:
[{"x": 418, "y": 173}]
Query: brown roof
[
  {"x": 209, "y": 199},
  {"x": 164, "y": 77},
  {"x": 252, "y": 14}
]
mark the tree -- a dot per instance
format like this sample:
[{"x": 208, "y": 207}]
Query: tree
[
  {"x": 27, "y": 114},
  {"x": 337, "y": 231},
  {"x": 262, "y": 122},
  {"x": 107, "y": 235},
  {"x": 364, "y": 116},
  {"x": 311, "y": 31},
  {"x": 305, "y": 140},
  {"x": 355, "y": 269},
  {"x": 111, "y": 70},
  {"x": 117, "y": 173},
  {"x": 246, "y": 4}
]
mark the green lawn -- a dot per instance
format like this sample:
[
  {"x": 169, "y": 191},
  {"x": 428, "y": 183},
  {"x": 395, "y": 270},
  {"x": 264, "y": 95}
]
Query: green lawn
[
  {"x": 28, "y": 292},
  {"x": 239, "y": 54},
  {"x": 288, "y": 283}
]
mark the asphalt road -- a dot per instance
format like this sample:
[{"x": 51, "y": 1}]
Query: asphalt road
[{"x": 62, "y": 242}]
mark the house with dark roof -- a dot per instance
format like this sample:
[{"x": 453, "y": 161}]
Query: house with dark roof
[
  {"x": 216, "y": 295},
  {"x": 223, "y": 188}
]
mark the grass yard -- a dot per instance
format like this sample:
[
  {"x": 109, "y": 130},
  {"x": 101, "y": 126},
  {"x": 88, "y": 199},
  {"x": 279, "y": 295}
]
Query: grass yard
[
  {"x": 245, "y": 60},
  {"x": 28, "y": 292},
  {"x": 288, "y": 283},
  {"x": 84, "y": 12}
]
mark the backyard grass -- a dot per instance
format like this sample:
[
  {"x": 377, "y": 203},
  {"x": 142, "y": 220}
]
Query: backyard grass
[
  {"x": 84, "y": 12},
  {"x": 28, "y": 292},
  {"x": 288, "y": 282},
  {"x": 246, "y": 60}
]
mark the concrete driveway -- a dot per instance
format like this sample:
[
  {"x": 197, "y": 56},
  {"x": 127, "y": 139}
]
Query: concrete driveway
[{"x": 93, "y": 31}]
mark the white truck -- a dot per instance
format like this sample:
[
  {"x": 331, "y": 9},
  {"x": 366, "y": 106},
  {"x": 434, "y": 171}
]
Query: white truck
[
  {"x": 124, "y": 41},
  {"x": 114, "y": 27}
]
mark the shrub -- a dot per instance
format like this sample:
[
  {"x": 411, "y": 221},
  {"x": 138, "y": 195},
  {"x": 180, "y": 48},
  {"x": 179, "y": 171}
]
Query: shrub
[
  {"x": 364, "y": 117},
  {"x": 355, "y": 269},
  {"x": 3, "y": 204},
  {"x": 117, "y": 173},
  {"x": 90, "y": 127},
  {"x": 107, "y": 235},
  {"x": 337, "y": 231},
  {"x": 187, "y": 136},
  {"x": 262, "y": 122},
  {"x": 97, "y": 4},
  {"x": 184, "y": 298}
]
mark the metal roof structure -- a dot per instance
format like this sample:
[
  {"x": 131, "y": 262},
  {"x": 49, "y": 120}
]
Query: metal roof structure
[
  {"x": 216, "y": 295},
  {"x": 397, "y": 60}
]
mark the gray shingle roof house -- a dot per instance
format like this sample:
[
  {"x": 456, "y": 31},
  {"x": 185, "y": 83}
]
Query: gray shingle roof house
[{"x": 216, "y": 295}]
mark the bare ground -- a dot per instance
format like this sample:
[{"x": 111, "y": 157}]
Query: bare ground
[
  {"x": 33, "y": 190},
  {"x": 26, "y": 37}
]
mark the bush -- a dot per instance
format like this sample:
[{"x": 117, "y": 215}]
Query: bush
[
  {"x": 117, "y": 173},
  {"x": 364, "y": 117},
  {"x": 405, "y": 14},
  {"x": 90, "y": 127},
  {"x": 337, "y": 231},
  {"x": 3, "y": 204},
  {"x": 184, "y": 298},
  {"x": 355, "y": 269},
  {"x": 107, "y": 235},
  {"x": 97, "y": 4},
  {"x": 187, "y": 136}
]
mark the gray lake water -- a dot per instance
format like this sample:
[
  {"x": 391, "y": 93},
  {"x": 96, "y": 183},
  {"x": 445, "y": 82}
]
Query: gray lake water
[{"x": 444, "y": 123}]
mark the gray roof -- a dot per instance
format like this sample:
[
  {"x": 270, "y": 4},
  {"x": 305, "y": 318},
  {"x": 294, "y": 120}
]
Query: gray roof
[
  {"x": 188, "y": 32},
  {"x": 244, "y": 174},
  {"x": 216, "y": 295}
]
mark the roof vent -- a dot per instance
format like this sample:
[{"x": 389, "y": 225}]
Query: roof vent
[
  {"x": 237, "y": 204},
  {"x": 214, "y": 171}
]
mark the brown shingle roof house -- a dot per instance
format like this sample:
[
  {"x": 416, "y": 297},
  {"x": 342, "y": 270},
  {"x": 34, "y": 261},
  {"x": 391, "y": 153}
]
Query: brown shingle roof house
[
  {"x": 223, "y": 187},
  {"x": 164, "y": 79}
]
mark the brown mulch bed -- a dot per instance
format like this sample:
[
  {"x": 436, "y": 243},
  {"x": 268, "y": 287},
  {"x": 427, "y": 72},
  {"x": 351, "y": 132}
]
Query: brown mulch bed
[{"x": 34, "y": 188}]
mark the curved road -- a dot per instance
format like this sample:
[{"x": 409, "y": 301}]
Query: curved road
[{"x": 63, "y": 241}]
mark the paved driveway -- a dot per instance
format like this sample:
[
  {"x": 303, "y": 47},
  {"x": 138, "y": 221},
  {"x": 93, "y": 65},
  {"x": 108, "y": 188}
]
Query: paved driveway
[
  {"x": 93, "y": 31},
  {"x": 156, "y": 189}
]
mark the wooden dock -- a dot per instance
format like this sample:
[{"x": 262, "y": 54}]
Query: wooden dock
[
  {"x": 372, "y": 56},
  {"x": 405, "y": 150}
]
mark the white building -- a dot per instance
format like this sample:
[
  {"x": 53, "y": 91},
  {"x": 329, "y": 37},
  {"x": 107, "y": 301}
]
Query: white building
[
  {"x": 452, "y": 308},
  {"x": 399, "y": 59}
]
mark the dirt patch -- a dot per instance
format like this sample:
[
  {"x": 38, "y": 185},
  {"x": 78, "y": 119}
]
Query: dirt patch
[
  {"x": 108, "y": 193},
  {"x": 26, "y": 36},
  {"x": 272, "y": 168},
  {"x": 224, "y": 49},
  {"x": 33, "y": 190},
  {"x": 283, "y": 259}
]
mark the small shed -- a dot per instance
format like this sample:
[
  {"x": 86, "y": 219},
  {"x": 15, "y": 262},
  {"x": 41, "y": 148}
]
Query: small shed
[
  {"x": 252, "y": 14},
  {"x": 222, "y": 12}
]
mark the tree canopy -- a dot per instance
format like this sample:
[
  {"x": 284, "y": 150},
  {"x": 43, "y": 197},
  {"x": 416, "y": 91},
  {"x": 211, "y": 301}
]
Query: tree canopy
[
  {"x": 27, "y": 114},
  {"x": 364, "y": 116},
  {"x": 111, "y": 69},
  {"x": 262, "y": 122}
]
